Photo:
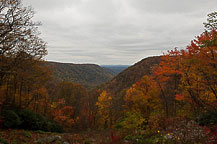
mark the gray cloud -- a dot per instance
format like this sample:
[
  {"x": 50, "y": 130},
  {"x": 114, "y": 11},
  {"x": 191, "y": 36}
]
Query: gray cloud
[{"x": 117, "y": 31}]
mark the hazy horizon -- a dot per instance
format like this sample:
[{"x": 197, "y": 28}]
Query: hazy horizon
[{"x": 89, "y": 63}]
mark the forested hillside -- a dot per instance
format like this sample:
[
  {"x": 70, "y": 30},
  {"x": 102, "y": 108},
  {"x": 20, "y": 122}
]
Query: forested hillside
[
  {"x": 132, "y": 74},
  {"x": 89, "y": 75},
  {"x": 167, "y": 99}
]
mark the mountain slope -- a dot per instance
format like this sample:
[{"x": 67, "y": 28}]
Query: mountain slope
[
  {"x": 132, "y": 74},
  {"x": 89, "y": 75}
]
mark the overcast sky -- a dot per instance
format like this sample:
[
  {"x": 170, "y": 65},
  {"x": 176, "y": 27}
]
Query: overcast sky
[{"x": 117, "y": 31}]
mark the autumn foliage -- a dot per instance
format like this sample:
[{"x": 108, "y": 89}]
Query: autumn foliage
[
  {"x": 170, "y": 98},
  {"x": 181, "y": 88},
  {"x": 193, "y": 71}
]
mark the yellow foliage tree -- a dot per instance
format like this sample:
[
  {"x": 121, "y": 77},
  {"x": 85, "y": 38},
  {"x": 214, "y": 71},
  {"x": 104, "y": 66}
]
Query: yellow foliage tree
[
  {"x": 143, "y": 97},
  {"x": 104, "y": 104}
]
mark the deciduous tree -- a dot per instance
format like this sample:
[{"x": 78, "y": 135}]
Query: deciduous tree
[{"x": 19, "y": 40}]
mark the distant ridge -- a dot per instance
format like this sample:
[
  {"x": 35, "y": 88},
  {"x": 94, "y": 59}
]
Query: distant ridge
[
  {"x": 89, "y": 75},
  {"x": 115, "y": 69}
]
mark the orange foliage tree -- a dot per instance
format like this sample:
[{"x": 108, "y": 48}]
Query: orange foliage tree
[
  {"x": 199, "y": 69},
  {"x": 190, "y": 75},
  {"x": 193, "y": 72},
  {"x": 167, "y": 76},
  {"x": 62, "y": 114},
  {"x": 76, "y": 97}
]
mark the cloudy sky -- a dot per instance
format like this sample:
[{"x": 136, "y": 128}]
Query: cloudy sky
[{"x": 117, "y": 31}]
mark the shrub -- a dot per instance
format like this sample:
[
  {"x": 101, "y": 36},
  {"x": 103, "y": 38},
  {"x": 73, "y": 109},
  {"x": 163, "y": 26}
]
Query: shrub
[
  {"x": 27, "y": 134},
  {"x": 10, "y": 119},
  {"x": 131, "y": 121},
  {"x": 28, "y": 120},
  {"x": 32, "y": 121},
  {"x": 54, "y": 127},
  {"x": 208, "y": 118},
  {"x": 42, "y": 123}
]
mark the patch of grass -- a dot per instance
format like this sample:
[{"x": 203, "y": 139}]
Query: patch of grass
[
  {"x": 42, "y": 132},
  {"x": 27, "y": 134}
]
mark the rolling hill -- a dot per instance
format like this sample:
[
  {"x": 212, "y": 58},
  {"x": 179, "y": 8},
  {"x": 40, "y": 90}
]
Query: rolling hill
[
  {"x": 89, "y": 75},
  {"x": 117, "y": 78}
]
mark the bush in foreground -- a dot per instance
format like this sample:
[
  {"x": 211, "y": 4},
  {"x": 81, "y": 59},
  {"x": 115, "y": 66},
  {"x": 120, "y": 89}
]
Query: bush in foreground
[
  {"x": 11, "y": 119},
  {"x": 28, "y": 120}
]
